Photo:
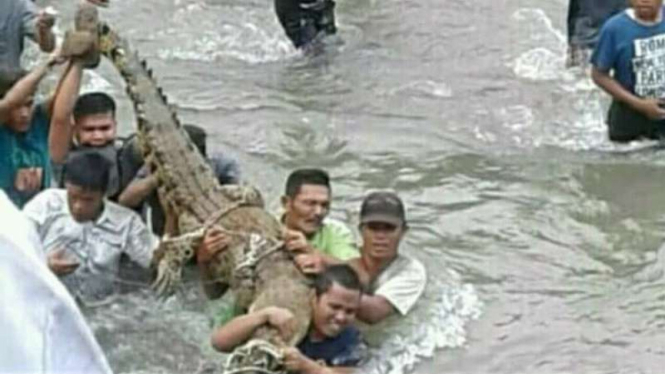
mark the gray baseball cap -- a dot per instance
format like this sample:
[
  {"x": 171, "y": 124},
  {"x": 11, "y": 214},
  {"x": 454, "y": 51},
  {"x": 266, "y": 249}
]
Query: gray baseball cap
[{"x": 383, "y": 206}]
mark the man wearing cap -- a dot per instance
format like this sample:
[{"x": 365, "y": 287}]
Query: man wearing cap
[{"x": 394, "y": 281}]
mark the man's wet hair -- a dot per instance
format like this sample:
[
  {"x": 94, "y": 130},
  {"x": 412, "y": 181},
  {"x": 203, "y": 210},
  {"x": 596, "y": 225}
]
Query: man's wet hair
[
  {"x": 341, "y": 274},
  {"x": 88, "y": 170},
  {"x": 93, "y": 103},
  {"x": 198, "y": 136},
  {"x": 306, "y": 176},
  {"x": 9, "y": 77}
]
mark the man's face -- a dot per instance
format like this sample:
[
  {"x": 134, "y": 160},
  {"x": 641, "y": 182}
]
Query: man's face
[
  {"x": 647, "y": 9},
  {"x": 334, "y": 310},
  {"x": 96, "y": 130},
  {"x": 306, "y": 211},
  {"x": 381, "y": 240},
  {"x": 84, "y": 204},
  {"x": 20, "y": 116}
]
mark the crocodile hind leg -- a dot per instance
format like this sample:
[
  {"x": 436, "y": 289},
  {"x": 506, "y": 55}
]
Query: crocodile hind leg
[{"x": 173, "y": 254}]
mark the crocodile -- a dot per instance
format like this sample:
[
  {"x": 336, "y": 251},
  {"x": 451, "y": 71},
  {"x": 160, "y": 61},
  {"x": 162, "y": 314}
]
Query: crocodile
[{"x": 254, "y": 266}]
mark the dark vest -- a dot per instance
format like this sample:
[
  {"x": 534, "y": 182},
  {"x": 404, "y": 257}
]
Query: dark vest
[{"x": 124, "y": 157}]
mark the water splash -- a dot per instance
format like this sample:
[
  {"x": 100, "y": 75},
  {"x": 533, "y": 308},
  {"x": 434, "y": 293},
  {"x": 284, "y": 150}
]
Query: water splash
[
  {"x": 539, "y": 16},
  {"x": 245, "y": 42},
  {"x": 539, "y": 64},
  {"x": 439, "y": 321},
  {"x": 427, "y": 88}
]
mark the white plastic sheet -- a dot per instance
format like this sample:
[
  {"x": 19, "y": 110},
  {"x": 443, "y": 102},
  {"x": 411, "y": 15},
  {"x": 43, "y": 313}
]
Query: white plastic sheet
[{"x": 41, "y": 328}]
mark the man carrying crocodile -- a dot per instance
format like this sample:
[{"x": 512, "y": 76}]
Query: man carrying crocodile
[
  {"x": 315, "y": 240},
  {"x": 254, "y": 265},
  {"x": 332, "y": 344}
]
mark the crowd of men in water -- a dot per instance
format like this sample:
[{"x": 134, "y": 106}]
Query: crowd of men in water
[{"x": 89, "y": 199}]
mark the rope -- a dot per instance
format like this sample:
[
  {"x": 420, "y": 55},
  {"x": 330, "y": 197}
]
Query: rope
[{"x": 242, "y": 359}]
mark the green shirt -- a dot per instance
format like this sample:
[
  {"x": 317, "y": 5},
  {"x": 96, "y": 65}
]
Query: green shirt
[{"x": 335, "y": 239}]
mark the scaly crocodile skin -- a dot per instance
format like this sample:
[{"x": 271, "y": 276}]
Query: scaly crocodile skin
[{"x": 255, "y": 267}]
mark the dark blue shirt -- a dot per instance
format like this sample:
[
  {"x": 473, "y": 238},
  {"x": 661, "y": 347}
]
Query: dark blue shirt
[
  {"x": 346, "y": 349},
  {"x": 635, "y": 53}
]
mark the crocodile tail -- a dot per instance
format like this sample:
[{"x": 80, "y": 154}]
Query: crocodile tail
[{"x": 186, "y": 180}]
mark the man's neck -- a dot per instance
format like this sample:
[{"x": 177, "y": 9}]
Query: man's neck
[
  {"x": 646, "y": 22},
  {"x": 315, "y": 336},
  {"x": 373, "y": 266},
  {"x": 285, "y": 221}
]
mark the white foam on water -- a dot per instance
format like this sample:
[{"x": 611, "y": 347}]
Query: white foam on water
[
  {"x": 438, "y": 321},
  {"x": 245, "y": 42},
  {"x": 424, "y": 88},
  {"x": 539, "y": 64},
  {"x": 222, "y": 32},
  {"x": 539, "y": 15},
  {"x": 546, "y": 62}
]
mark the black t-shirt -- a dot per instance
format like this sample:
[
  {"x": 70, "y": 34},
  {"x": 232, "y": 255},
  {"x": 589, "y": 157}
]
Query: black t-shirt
[
  {"x": 346, "y": 349},
  {"x": 122, "y": 155},
  {"x": 586, "y": 17}
]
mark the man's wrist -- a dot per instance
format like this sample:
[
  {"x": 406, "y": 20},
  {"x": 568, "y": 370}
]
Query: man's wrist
[{"x": 313, "y": 367}]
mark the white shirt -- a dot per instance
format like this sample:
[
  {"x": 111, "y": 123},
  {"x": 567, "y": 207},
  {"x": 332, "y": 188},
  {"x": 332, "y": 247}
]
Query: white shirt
[
  {"x": 97, "y": 246},
  {"x": 42, "y": 329},
  {"x": 401, "y": 283}
]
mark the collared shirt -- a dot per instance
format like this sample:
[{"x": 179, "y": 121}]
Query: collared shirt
[
  {"x": 18, "y": 19},
  {"x": 401, "y": 283},
  {"x": 22, "y": 150},
  {"x": 97, "y": 246},
  {"x": 335, "y": 239}
]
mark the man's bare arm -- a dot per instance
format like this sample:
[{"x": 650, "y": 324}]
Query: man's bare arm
[
  {"x": 22, "y": 90},
  {"x": 239, "y": 329},
  {"x": 60, "y": 134},
  {"x": 648, "y": 107},
  {"x": 214, "y": 242},
  {"x": 374, "y": 309},
  {"x": 137, "y": 191}
]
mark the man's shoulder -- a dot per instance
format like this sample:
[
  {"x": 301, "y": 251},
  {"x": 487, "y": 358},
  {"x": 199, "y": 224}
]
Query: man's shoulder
[
  {"x": 55, "y": 197},
  {"x": 120, "y": 215},
  {"x": 618, "y": 22},
  {"x": 404, "y": 267},
  {"x": 47, "y": 204},
  {"x": 335, "y": 227},
  {"x": 412, "y": 263}
]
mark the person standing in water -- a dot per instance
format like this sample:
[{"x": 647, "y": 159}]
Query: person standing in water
[
  {"x": 306, "y": 21},
  {"x": 628, "y": 64},
  {"x": 585, "y": 18}
]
